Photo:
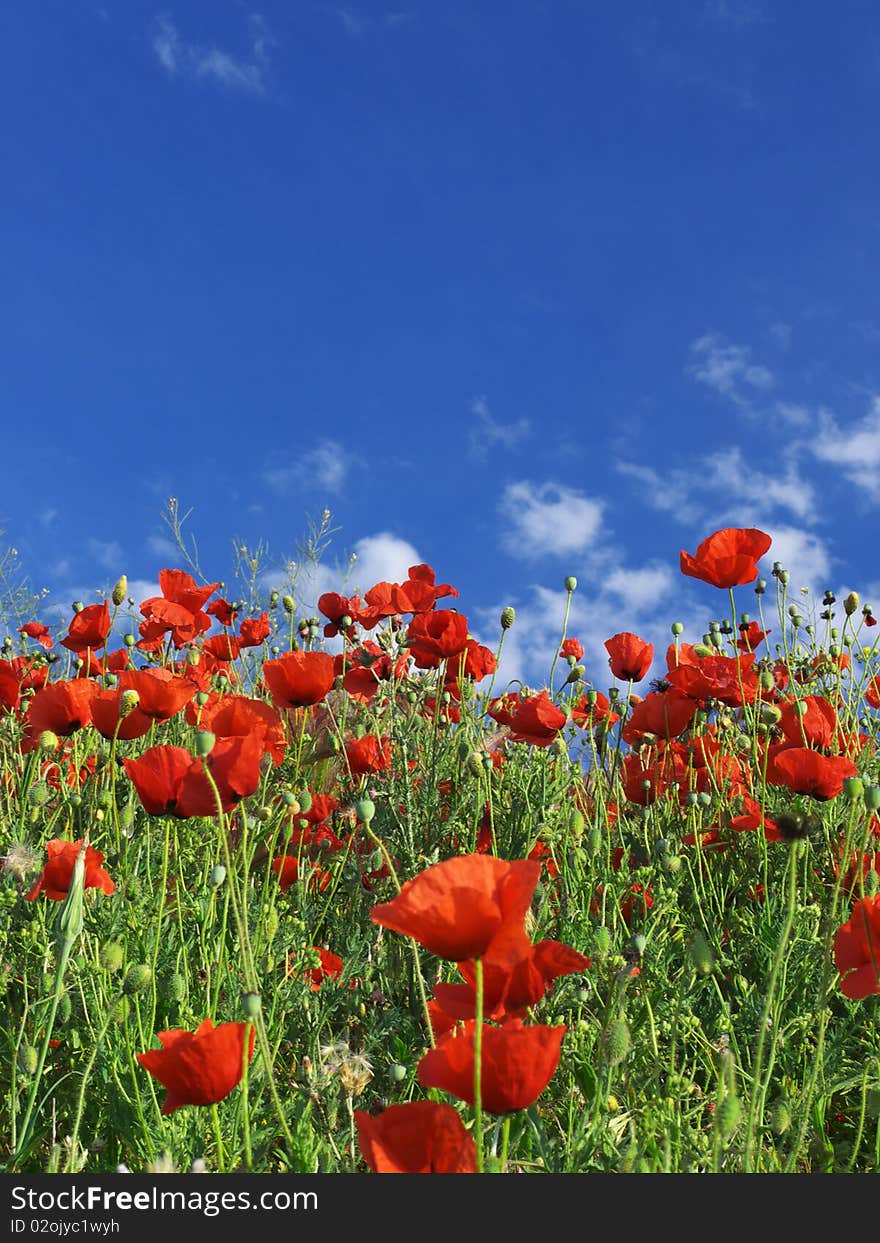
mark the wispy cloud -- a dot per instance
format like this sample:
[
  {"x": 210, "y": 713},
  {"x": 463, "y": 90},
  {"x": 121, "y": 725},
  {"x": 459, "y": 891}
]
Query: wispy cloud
[
  {"x": 547, "y": 520},
  {"x": 735, "y": 13},
  {"x": 728, "y": 370},
  {"x": 326, "y": 466},
  {"x": 180, "y": 58},
  {"x": 487, "y": 432},
  {"x": 723, "y": 487},
  {"x": 356, "y": 24},
  {"x": 855, "y": 448},
  {"x": 108, "y": 554}
]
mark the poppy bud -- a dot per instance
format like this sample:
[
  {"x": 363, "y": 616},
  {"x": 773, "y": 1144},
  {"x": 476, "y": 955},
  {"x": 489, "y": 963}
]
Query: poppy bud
[
  {"x": 728, "y": 1115},
  {"x": 174, "y": 988},
  {"x": 287, "y": 603},
  {"x": 701, "y": 955},
  {"x": 120, "y": 591},
  {"x": 128, "y": 701},
  {"x": 615, "y": 1042},
  {"x": 77, "y": 606},
  {"x": 65, "y": 1008},
  {"x": 851, "y": 603},
  {"x": 780, "y": 1116},
  {"x": 770, "y": 714},
  {"x": 252, "y": 1004},
  {"x": 853, "y": 788},
  {"x": 677, "y": 628},
  {"x": 28, "y": 1059},
  {"x": 137, "y": 978},
  {"x": 396, "y": 1072},
  {"x": 577, "y": 672},
  {"x": 601, "y": 941},
  {"x": 570, "y": 584},
  {"x": 273, "y": 598},
  {"x": 872, "y": 797},
  {"x": 111, "y": 957},
  {"x": 218, "y": 876},
  {"x": 205, "y": 741}
]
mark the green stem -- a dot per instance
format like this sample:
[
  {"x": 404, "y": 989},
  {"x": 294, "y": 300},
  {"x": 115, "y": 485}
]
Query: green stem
[{"x": 478, "y": 1063}]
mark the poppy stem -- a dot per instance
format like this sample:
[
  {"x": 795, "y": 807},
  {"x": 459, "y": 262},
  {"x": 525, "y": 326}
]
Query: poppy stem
[
  {"x": 478, "y": 1062},
  {"x": 218, "y": 1136}
]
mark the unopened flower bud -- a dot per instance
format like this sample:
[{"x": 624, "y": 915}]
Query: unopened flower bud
[
  {"x": 251, "y": 1004},
  {"x": 851, "y": 603},
  {"x": 48, "y": 741},
  {"x": 701, "y": 955},
  {"x": 570, "y": 583},
  {"x": 853, "y": 788},
  {"x": 128, "y": 640},
  {"x": 508, "y": 617},
  {"x": 120, "y": 591},
  {"x": 615, "y": 1042},
  {"x": 218, "y": 876},
  {"x": 112, "y": 956},
  {"x": 677, "y": 628},
  {"x": 128, "y": 701},
  {"x": 288, "y": 604},
  {"x": 137, "y": 978},
  {"x": 205, "y": 741}
]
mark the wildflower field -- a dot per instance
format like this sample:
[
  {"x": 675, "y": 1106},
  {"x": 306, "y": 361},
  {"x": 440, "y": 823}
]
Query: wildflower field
[{"x": 323, "y": 894}]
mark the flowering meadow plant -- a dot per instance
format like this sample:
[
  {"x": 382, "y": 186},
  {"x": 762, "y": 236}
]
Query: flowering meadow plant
[{"x": 355, "y": 903}]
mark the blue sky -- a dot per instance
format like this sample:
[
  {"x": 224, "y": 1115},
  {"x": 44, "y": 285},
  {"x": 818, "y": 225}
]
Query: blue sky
[{"x": 521, "y": 289}]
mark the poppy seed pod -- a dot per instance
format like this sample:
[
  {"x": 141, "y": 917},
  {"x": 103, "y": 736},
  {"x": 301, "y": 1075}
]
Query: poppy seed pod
[{"x": 570, "y": 583}]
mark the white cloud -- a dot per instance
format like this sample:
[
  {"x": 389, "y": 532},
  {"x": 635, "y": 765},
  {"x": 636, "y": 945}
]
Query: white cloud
[
  {"x": 178, "y": 57},
  {"x": 855, "y": 449},
  {"x": 487, "y": 432},
  {"x": 382, "y": 558},
  {"x": 803, "y": 554},
  {"x": 723, "y": 488},
  {"x": 728, "y": 369},
  {"x": 161, "y": 546},
  {"x": 641, "y": 589},
  {"x": 107, "y": 554},
  {"x": 326, "y": 466},
  {"x": 547, "y": 520}
]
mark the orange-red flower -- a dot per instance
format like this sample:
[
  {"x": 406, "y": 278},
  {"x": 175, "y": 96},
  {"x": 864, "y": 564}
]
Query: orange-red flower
[
  {"x": 421, "y": 1137},
  {"x": 727, "y": 558},
  {"x": 36, "y": 630},
  {"x": 629, "y": 657},
  {"x": 807, "y": 772},
  {"x": 178, "y": 611},
  {"x": 200, "y": 1067},
  {"x": 456, "y": 908},
  {"x": 88, "y": 628},
  {"x": 437, "y": 636},
  {"x": 62, "y": 707},
  {"x": 299, "y": 679},
  {"x": 516, "y": 1065},
  {"x": 169, "y": 781},
  {"x": 857, "y": 950},
  {"x": 368, "y": 754},
  {"x": 54, "y": 880}
]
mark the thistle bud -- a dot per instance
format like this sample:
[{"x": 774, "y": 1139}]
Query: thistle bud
[{"x": 120, "y": 591}]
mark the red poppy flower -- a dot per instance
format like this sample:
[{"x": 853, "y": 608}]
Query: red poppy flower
[
  {"x": 254, "y": 630},
  {"x": 476, "y": 661},
  {"x": 237, "y": 716},
  {"x": 177, "y": 611},
  {"x": 368, "y": 755},
  {"x": 169, "y": 781},
  {"x": 750, "y": 636},
  {"x": 299, "y": 679},
  {"x": 456, "y": 908},
  {"x": 437, "y": 636},
  {"x": 729, "y": 679},
  {"x": 516, "y": 975},
  {"x": 36, "y": 630},
  {"x": 62, "y": 707},
  {"x": 200, "y": 1067},
  {"x": 336, "y": 608},
  {"x": 517, "y": 1063},
  {"x": 665, "y": 714},
  {"x": 161, "y": 693},
  {"x": 629, "y": 657},
  {"x": 10, "y": 688},
  {"x": 728, "y": 558},
  {"x": 571, "y": 647},
  {"x": 421, "y": 1137},
  {"x": 329, "y": 968},
  {"x": 857, "y": 950},
  {"x": 588, "y": 715},
  {"x": 88, "y": 628},
  {"x": 221, "y": 647},
  {"x": 54, "y": 880},
  {"x": 536, "y": 721},
  {"x": 222, "y": 610},
  {"x": 105, "y": 708},
  {"x": 807, "y": 772},
  {"x": 815, "y": 726}
]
